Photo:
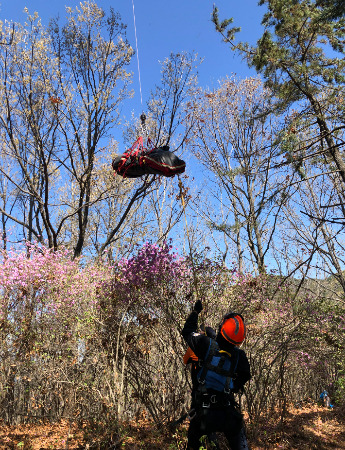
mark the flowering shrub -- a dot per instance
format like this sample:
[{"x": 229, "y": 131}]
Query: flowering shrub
[
  {"x": 93, "y": 340},
  {"x": 43, "y": 286},
  {"x": 47, "y": 306},
  {"x": 145, "y": 273}
]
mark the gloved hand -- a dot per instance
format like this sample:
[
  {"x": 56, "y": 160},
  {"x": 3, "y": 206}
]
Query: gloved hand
[{"x": 198, "y": 306}]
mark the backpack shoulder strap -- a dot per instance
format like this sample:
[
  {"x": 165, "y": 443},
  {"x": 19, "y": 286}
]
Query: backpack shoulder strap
[
  {"x": 232, "y": 370},
  {"x": 213, "y": 346}
]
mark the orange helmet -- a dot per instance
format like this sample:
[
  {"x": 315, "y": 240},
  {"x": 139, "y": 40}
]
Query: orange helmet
[{"x": 233, "y": 328}]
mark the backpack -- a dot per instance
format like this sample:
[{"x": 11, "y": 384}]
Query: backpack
[{"x": 218, "y": 369}]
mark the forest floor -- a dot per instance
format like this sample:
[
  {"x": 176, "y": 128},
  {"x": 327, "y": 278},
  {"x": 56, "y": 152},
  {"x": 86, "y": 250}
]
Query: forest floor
[{"x": 310, "y": 427}]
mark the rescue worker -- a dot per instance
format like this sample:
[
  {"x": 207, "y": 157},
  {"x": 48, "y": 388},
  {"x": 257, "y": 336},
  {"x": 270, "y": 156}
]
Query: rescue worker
[
  {"x": 216, "y": 411},
  {"x": 190, "y": 358}
]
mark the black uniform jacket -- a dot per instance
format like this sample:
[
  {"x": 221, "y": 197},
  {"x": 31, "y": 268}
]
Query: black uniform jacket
[{"x": 200, "y": 343}]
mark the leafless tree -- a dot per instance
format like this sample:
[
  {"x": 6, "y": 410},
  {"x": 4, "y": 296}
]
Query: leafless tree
[{"x": 236, "y": 146}]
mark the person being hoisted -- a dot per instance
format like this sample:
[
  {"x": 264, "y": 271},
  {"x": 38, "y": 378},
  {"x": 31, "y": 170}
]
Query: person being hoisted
[{"x": 224, "y": 369}]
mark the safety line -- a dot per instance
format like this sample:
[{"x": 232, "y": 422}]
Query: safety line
[{"x": 136, "y": 45}]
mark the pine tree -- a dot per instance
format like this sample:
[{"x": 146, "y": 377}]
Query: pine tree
[{"x": 301, "y": 58}]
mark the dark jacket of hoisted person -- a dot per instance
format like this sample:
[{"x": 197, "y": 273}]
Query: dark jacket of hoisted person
[{"x": 216, "y": 410}]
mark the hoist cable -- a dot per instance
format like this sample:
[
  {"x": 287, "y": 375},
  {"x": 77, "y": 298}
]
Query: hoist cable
[{"x": 136, "y": 46}]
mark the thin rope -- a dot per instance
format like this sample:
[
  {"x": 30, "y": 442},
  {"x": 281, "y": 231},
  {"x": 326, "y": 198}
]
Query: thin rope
[{"x": 136, "y": 45}]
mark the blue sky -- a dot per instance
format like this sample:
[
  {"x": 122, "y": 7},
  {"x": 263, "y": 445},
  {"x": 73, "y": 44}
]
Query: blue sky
[{"x": 164, "y": 27}]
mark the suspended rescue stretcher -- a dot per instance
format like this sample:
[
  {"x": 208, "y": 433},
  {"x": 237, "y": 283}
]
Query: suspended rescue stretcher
[{"x": 141, "y": 160}]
